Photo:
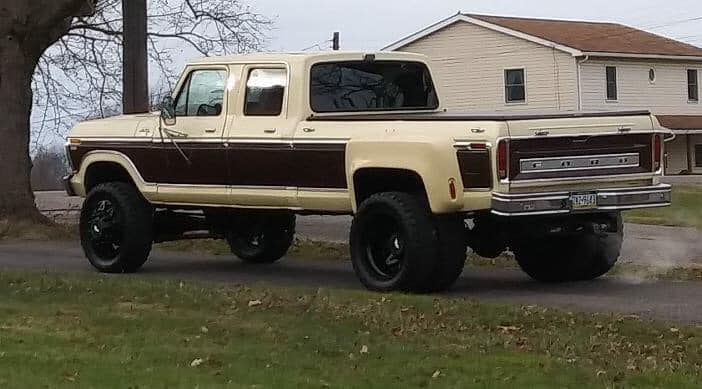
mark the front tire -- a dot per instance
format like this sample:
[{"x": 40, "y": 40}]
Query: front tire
[
  {"x": 588, "y": 252},
  {"x": 116, "y": 228},
  {"x": 262, "y": 238}
]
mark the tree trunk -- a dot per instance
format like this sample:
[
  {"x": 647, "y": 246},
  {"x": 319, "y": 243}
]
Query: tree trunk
[
  {"x": 27, "y": 29},
  {"x": 16, "y": 68}
]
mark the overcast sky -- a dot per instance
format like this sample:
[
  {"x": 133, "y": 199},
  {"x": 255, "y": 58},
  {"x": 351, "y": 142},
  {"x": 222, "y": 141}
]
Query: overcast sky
[{"x": 372, "y": 24}]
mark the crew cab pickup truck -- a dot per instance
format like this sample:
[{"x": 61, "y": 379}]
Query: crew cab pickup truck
[{"x": 246, "y": 143}]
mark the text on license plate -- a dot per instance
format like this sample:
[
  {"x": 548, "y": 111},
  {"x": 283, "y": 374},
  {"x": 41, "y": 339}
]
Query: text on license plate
[{"x": 583, "y": 200}]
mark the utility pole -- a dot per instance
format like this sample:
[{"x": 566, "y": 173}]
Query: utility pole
[
  {"x": 135, "y": 65},
  {"x": 335, "y": 41}
]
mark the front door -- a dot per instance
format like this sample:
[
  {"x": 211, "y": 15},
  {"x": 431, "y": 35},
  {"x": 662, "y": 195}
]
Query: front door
[
  {"x": 196, "y": 157},
  {"x": 259, "y": 142}
]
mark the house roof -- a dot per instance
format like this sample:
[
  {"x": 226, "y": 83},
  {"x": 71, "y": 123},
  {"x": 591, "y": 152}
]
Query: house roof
[
  {"x": 595, "y": 36},
  {"x": 681, "y": 122},
  {"x": 578, "y": 38}
]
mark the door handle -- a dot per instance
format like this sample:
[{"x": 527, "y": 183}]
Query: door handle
[
  {"x": 307, "y": 129},
  {"x": 211, "y": 130},
  {"x": 270, "y": 131}
]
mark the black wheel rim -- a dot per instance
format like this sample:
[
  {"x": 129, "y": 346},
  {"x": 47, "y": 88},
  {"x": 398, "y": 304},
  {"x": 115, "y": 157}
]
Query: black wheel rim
[
  {"x": 105, "y": 229},
  {"x": 384, "y": 248},
  {"x": 251, "y": 242}
]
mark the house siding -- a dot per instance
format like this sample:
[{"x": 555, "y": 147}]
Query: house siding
[
  {"x": 667, "y": 95},
  {"x": 676, "y": 154},
  {"x": 469, "y": 63}
]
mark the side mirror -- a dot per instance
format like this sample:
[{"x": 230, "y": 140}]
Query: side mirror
[{"x": 168, "y": 114}]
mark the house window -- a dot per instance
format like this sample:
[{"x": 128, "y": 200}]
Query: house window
[
  {"x": 611, "y": 83},
  {"x": 693, "y": 90},
  {"x": 652, "y": 75},
  {"x": 698, "y": 155},
  {"x": 515, "y": 86}
]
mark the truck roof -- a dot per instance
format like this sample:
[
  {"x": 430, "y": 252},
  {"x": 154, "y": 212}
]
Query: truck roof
[{"x": 321, "y": 56}]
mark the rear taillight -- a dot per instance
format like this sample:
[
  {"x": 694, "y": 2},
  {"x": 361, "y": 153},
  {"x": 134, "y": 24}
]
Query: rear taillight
[
  {"x": 657, "y": 151},
  {"x": 503, "y": 159}
]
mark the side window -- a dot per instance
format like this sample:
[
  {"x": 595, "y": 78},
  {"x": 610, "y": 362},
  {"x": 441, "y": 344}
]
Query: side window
[
  {"x": 202, "y": 94},
  {"x": 515, "y": 86},
  {"x": 265, "y": 91},
  {"x": 611, "y": 74},
  {"x": 698, "y": 155},
  {"x": 693, "y": 91}
]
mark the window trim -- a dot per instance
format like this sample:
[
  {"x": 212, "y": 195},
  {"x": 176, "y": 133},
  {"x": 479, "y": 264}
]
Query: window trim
[
  {"x": 505, "y": 86},
  {"x": 616, "y": 84},
  {"x": 697, "y": 85},
  {"x": 245, "y": 85},
  {"x": 326, "y": 62},
  {"x": 185, "y": 83}
]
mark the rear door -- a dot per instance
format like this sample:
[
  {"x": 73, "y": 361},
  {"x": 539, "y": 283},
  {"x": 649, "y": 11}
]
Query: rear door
[{"x": 259, "y": 141}]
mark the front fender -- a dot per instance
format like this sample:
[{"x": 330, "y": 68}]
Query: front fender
[{"x": 149, "y": 190}]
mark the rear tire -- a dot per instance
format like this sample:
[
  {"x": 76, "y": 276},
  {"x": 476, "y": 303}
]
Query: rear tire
[
  {"x": 451, "y": 252},
  {"x": 393, "y": 244},
  {"x": 262, "y": 238},
  {"x": 116, "y": 228},
  {"x": 586, "y": 255}
]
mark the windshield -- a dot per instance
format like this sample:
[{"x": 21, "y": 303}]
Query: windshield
[{"x": 355, "y": 86}]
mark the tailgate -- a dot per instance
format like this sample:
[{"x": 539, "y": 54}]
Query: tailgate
[{"x": 578, "y": 149}]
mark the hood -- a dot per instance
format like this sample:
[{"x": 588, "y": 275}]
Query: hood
[{"x": 141, "y": 125}]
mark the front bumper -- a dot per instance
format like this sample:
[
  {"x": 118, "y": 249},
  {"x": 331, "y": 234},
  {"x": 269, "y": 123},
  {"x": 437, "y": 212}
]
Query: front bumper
[{"x": 555, "y": 203}]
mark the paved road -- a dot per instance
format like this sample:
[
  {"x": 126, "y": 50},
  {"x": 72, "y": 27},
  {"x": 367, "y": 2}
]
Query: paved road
[
  {"x": 675, "y": 301},
  {"x": 664, "y": 247}
]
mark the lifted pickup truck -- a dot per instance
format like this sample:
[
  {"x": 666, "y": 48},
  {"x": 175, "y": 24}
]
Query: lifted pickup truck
[{"x": 246, "y": 143}]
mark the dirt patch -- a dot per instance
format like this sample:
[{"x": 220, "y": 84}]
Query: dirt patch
[{"x": 32, "y": 231}]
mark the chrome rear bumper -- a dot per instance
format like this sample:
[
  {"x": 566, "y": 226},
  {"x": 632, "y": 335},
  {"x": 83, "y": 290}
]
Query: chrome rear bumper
[{"x": 554, "y": 203}]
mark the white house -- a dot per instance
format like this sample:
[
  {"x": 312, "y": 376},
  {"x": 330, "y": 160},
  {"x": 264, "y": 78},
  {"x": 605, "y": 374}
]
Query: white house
[{"x": 513, "y": 64}]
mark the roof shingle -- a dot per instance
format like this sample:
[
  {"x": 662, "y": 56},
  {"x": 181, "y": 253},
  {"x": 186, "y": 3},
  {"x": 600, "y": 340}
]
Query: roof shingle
[{"x": 594, "y": 36}]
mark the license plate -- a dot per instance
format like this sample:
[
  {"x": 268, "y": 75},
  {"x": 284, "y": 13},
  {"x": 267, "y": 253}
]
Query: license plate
[{"x": 580, "y": 201}]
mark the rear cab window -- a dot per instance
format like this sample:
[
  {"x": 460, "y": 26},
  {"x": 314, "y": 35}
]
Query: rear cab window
[{"x": 358, "y": 86}]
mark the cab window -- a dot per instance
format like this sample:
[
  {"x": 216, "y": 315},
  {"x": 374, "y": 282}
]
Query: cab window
[
  {"x": 202, "y": 94},
  {"x": 265, "y": 92}
]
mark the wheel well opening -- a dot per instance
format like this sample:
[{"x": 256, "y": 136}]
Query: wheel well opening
[
  {"x": 102, "y": 172},
  {"x": 370, "y": 181}
]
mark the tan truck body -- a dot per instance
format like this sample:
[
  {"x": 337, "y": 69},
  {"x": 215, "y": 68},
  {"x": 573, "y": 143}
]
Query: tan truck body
[{"x": 425, "y": 147}]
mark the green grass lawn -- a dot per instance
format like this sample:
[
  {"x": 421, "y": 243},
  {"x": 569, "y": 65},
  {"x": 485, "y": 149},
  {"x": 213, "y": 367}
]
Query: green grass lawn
[
  {"x": 685, "y": 211},
  {"x": 123, "y": 331}
]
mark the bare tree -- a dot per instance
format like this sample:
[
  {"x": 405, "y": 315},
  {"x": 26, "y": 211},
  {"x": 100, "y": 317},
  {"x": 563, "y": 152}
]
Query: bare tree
[
  {"x": 81, "y": 75},
  {"x": 69, "y": 51}
]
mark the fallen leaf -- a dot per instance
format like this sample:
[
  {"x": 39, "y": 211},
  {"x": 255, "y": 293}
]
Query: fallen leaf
[
  {"x": 204, "y": 330},
  {"x": 508, "y": 328},
  {"x": 436, "y": 374},
  {"x": 674, "y": 330},
  {"x": 364, "y": 349},
  {"x": 196, "y": 362},
  {"x": 254, "y": 303}
]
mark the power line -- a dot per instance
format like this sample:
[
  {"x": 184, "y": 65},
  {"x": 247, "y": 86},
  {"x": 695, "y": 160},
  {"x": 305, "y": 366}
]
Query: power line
[{"x": 318, "y": 45}]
